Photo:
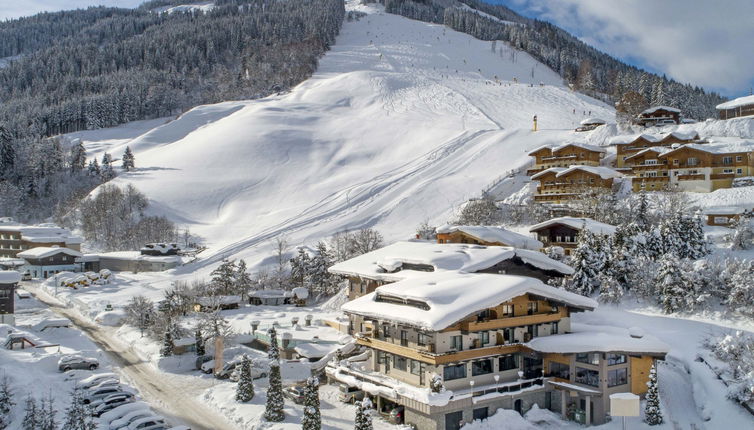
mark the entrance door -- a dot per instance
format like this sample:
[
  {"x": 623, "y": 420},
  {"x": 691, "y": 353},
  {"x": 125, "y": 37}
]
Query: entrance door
[
  {"x": 422, "y": 372},
  {"x": 453, "y": 420},
  {"x": 518, "y": 406}
]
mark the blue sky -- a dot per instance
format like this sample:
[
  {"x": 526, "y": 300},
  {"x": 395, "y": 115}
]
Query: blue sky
[
  {"x": 704, "y": 43},
  {"x": 709, "y": 43}
]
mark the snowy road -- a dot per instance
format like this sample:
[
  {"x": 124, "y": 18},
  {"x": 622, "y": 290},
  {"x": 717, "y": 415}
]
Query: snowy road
[{"x": 170, "y": 395}]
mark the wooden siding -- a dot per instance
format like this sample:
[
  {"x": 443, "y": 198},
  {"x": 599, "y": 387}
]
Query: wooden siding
[
  {"x": 640, "y": 373},
  {"x": 569, "y": 186},
  {"x": 435, "y": 359}
]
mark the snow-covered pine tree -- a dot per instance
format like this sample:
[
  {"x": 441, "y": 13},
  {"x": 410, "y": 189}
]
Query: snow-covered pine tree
[
  {"x": 6, "y": 401},
  {"x": 652, "y": 412},
  {"x": 77, "y": 160},
  {"x": 31, "y": 414},
  {"x": 245, "y": 388},
  {"x": 743, "y": 234},
  {"x": 94, "y": 170},
  {"x": 199, "y": 342},
  {"x": 641, "y": 279},
  {"x": 300, "y": 268},
  {"x": 363, "y": 419},
  {"x": 673, "y": 236},
  {"x": 587, "y": 260},
  {"x": 274, "y": 407},
  {"x": 224, "y": 278},
  {"x": 243, "y": 280},
  {"x": 106, "y": 171},
  {"x": 167, "y": 344},
  {"x": 47, "y": 410},
  {"x": 128, "y": 159},
  {"x": 741, "y": 289},
  {"x": 312, "y": 419},
  {"x": 697, "y": 244},
  {"x": 671, "y": 283},
  {"x": 320, "y": 280},
  {"x": 611, "y": 291},
  {"x": 654, "y": 245},
  {"x": 642, "y": 212},
  {"x": 77, "y": 416}
]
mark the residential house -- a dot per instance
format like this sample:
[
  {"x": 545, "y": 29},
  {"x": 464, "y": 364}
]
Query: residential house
[
  {"x": 160, "y": 249},
  {"x": 270, "y": 297},
  {"x": 211, "y": 304},
  {"x": 626, "y": 146},
  {"x": 485, "y": 235},
  {"x": 590, "y": 124},
  {"x": 659, "y": 115},
  {"x": 15, "y": 237},
  {"x": 564, "y": 231},
  {"x": 724, "y": 216},
  {"x": 487, "y": 337},
  {"x": 565, "y": 155},
  {"x": 559, "y": 185},
  {"x": 9, "y": 279},
  {"x": 405, "y": 260},
  {"x": 44, "y": 262},
  {"x": 742, "y": 106},
  {"x": 129, "y": 261}
]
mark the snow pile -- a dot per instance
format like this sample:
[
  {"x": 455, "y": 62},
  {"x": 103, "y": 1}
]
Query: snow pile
[
  {"x": 9, "y": 277},
  {"x": 602, "y": 172},
  {"x": 494, "y": 234},
  {"x": 193, "y": 7},
  {"x": 507, "y": 419}
]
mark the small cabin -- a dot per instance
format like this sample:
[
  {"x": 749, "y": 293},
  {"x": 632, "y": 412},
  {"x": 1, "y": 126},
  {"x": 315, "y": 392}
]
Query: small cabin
[
  {"x": 742, "y": 106},
  {"x": 270, "y": 297},
  {"x": 724, "y": 216},
  {"x": 44, "y": 262},
  {"x": 564, "y": 231},
  {"x": 659, "y": 115},
  {"x": 210, "y": 304}
]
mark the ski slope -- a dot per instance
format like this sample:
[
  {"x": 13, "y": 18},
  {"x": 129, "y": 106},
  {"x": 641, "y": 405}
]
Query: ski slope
[{"x": 402, "y": 122}]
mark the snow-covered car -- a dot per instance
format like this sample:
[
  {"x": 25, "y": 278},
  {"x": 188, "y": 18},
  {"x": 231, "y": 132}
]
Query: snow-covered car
[
  {"x": 96, "y": 379},
  {"x": 23, "y": 294},
  {"x": 121, "y": 411},
  {"x": 121, "y": 393},
  {"x": 147, "y": 423},
  {"x": 111, "y": 402},
  {"x": 70, "y": 362},
  {"x": 349, "y": 394},
  {"x": 101, "y": 393},
  {"x": 295, "y": 393},
  {"x": 257, "y": 372},
  {"x": 104, "y": 383},
  {"x": 125, "y": 420}
]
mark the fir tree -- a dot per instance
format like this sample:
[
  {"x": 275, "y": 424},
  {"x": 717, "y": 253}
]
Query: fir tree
[
  {"x": 243, "y": 282},
  {"x": 77, "y": 416},
  {"x": 77, "y": 160},
  {"x": 642, "y": 212},
  {"x": 245, "y": 388},
  {"x": 300, "y": 268},
  {"x": 94, "y": 170},
  {"x": 743, "y": 235},
  {"x": 312, "y": 419},
  {"x": 673, "y": 234},
  {"x": 224, "y": 278},
  {"x": 588, "y": 260},
  {"x": 436, "y": 385},
  {"x": 363, "y": 419},
  {"x": 106, "y": 171},
  {"x": 320, "y": 280},
  {"x": 652, "y": 412},
  {"x": 671, "y": 283},
  {"x": 611, "y": 291},
  {"x": 167, "y": 344},
  {"x": 6, "y": 401},
  {"x": 199, "y": 342},
  {"x": 274, "y": 407},
  {"x": 47, "y": 419},
  {"x": 128, "y": 160},
  {"x": 31, "y": 414},
  {"x": 698, "y": 247}
]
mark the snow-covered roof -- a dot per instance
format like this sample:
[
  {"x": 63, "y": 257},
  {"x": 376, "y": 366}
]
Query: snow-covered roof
[
  {"x": 654, "y": 109},
  {"x": 724, "y": 210},
  {"x": 555, "y": 170},
  {"x": 654, "y": 137},
  {"x": 133, "y": 256},
  {"x": 657, "y": 149},
  {"x": 43, "y": 233},
  {"x": 162, "y": 248},
  {"x": 593, "y": 121},
  {"x": 47, "y": 251},
  {"x": 315, "y": 350},
  {"x": 494, "y": 234},
  {"x": 588, "y": 338},
  {"x": 578, "y": 224},
  {"x": 735, "y": 103},
  {"x": 443, "y": 299},
  {"x": 269, "y": 294},
  {"x": 300, "y": 292},
  {"x": 386, "y": 264},
  {"x": 602, "y": 172},
  {"x": 9, "y": 277},
  {"x": 720, "y": 146},
  {"x": 560, "y": 147},
  {"x": 11, "y": 262},
  {"x": 541, "y": 261},
  {"x": 218, "y": 300}
]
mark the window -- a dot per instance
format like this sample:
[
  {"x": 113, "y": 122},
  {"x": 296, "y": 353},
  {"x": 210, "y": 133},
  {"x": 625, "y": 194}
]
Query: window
[
  {"x": 454, "y": 372},
  {"x": 533, "y": 330},
  {"x": 484, "y": 338},
  {"x": 692, "y": 161},
  {"x": 480, "y": 414},
  {"x": 4, "y": 294},
  {"x": 484, "y": 315},
  {"x": 554, "y": 328},
  {"x": 587, "y": 377},
  {"x": 415, "y": 367},
  {"x": 617, "y": 377},
  {"x": 739, "y": 171},
  {"x": 508, "y": 362},
  {"x": 400, "y": 363},
  {"x": 676, "y": 162},
  {"x": 650, "y": 162},
  {"x": 422, "y": 339},
  {"x": 588, "y": 358},
  {"x": 363, "y": 287},
  {"x": 739, "y": 158},
  {"x": 560, "y": 370},
  {"x": 508, "y": 310},
  {"x": 613, "y": 359},
  {"x": 651, "y": 174},
  {"x": 727, "y": 170},
  {"x": 385, "y": 331},
  {"x": 481, "y": 367},
  {"x": 508, "y": 335},
  {"x": 65, "y": 258},
  {"x": 531, "y": 308},
  {"x": 456, "y": 342},
  {"x": 404, "y": 338},
  {"x": 727, "y": 160}
]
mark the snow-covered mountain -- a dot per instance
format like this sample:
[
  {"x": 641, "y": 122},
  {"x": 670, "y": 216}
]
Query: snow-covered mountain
[{"x": 402, "y": 122}]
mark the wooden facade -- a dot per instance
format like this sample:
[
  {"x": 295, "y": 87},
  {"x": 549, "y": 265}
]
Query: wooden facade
[
  {"x": 625, "y": 150},
  {"x": 459, "y": 236},
  {"x": 559, "y": 187},
  {"x": 561, "y": 235},
  {"x": 658, "y": 116},
  {"x": 564, "y": 156}
]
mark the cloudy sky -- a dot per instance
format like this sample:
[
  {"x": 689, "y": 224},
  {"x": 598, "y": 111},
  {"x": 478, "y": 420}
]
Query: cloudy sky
[{"x": 705, "y": 43}]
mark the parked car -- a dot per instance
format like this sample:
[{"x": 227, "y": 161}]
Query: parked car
[
  {"x": 350, "y": 394},
  {"x": 111, "y": 402},
  {"x": 93, "y": 380},
  {"x": 70, "y": 362},
  {"x": 23, "y": 294},
  {"x": 101, "y": 393},
  {"x": 105, "y": 383},
  {"x": 256, "y": 373},
  {"x": 121, "y": 411},
  {"x": 148, "y": 422},
  {"x": 26, "y": 276},
  {"x": 396, "y": 415},
  {"x": 201, "y": 360},
  {"x": 102, "y": 400},
  {"x": 130, "y": 417},
  {"x": 295, "y": 393}
]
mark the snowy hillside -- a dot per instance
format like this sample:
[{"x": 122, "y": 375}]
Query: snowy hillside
[{"x": 402, "y": 122}]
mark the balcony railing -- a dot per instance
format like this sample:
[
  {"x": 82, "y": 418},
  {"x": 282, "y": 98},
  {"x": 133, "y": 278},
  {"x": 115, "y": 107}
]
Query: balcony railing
[{"x": 691, "y": 177}]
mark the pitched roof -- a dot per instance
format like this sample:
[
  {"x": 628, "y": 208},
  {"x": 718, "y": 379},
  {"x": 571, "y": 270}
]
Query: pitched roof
[
  {"x": 578, "y": 224},
  {"x": 47, "y": 251},
  {"x": 444, "y": 299},
  {"x": 728, "y": 146},
  {"x": 654, "y": 138},
  {"x": 494, "y": 234},
  {"x": 603, "y": 172},
  {"x": 654, "y": 109},
  {"x": 657, "y": 149},
  {"x": 560, "y": 147},
  {"x": 739, "y": 102},
  {"x": 555, "y": 170}
]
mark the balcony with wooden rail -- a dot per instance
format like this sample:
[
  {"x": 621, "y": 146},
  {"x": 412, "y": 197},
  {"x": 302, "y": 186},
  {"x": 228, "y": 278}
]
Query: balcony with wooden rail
[{"x": 428, "y": 355}]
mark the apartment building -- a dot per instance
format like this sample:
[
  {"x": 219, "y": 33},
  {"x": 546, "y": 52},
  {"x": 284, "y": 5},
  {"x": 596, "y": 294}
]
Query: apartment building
[
  {"x": 565, "y": 155},
  {"x": 496, "y": 341},
  {"x": 626, "y": 146},
  {"x": 559, "y": 185},
  {"x": 15, "y": 238}
]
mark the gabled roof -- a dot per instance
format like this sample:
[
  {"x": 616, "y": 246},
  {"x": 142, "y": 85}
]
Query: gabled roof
[
  {"x": 554, "y": 170},
  {"x": 386, "y": 264},
  {"x": 578, "y": 223},
  {"x": 654, "y": 109},
  {"x": 45, "y": 251},
  {"x": 735, "y": 103},
  {"x": 724, "y": 210},
  {"x": 557, "y": 148},
  {"x": 654, "y": 138},
  {"x": 494, "y": 234},
  {"x": 42, "y": 233},
  {"x": 656, "y": 149},
  {"x": 731, "y": 146},
  {"x": 441, "y": 300},
  {"x": 540, "y": 148},
  {"x": 602, "y": 172}
]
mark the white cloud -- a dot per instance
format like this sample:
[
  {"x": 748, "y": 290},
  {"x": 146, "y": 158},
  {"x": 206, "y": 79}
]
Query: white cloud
[
  {"x": 17, "y": 8},
  {"x": 705, "y": 43}
]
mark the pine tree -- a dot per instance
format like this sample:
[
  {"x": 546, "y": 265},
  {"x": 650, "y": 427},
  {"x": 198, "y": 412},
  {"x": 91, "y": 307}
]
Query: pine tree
[
  {"x": 671, "y": 283},
  {"x": 128, "y": 160},
  {"x": 31, "y": 414},
  {"x": 611, "y": 291},
  {"x": 243, "y": 280},
  {"x": 673, "y": 234},
  {"x": 245, "y": 388},
  {"x": 642, "y": 212},
  {"x": 77, "y": 416},
  {"x": 94, "y": 170},
  {"x": 652, "y": 412},
  {"x": 320, "y": 280},
  {"x": 199, "y": 342},
  {"x": 274, "y": 407},
  {"x": 363, "y": 419},
  {"x": 300, "y": 268},
  {"x": 106, "y": 171},
  {"x": 312, "y": 419},
  {"x": 698, "y": 247},
  {"x": 77, "y": 160},
  {"x": 47, "y": 419},
  {"x": 588, "y": 260},
  {"x": 167, "y": 344},
  {"x": 743, "y": 234},
  {"x": 224, "y": 278},
  {"x": 6, "y": 399}
]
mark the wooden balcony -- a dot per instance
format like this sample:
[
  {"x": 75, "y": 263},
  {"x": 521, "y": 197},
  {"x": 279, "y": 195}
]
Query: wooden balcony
[
  {"x": 433, "y": 358},
  {"x": 722, "y": 176},
  {"x": 691, "y": 177},
  {"x": 509, "y": 322}
]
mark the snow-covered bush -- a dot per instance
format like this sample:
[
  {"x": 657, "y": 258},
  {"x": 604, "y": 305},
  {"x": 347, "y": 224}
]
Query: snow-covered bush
[{"x": 737, "y": 352}]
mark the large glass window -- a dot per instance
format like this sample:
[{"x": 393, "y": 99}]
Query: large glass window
[
  {"x": 508, "y": 311},
  {"x": 404, "y": 338},
  {"x": 508, "y": 362},
  {"x": 484, "y": 338},
  {"x": 587, "y": 377},
  {"x": 531, "y": 308},
  {"x": 613, "y": 359},
  {"x": 560, "y": 370},
  {"x": 422, "y": 339},
  {"x": 481, "y": 367},
  {"x": 456, "y": 342},
  {"x": 415, "y": 367},
  {"x": 454, "y": 372},
  {"x": 617, "y": 377},
  {"x": 588, "y": 358},
  {"x": 400, "y": 363}
]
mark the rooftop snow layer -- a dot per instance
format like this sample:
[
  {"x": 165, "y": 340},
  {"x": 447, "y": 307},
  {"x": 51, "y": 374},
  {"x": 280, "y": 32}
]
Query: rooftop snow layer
[
  {"x": 9, "y": 277},
  {"x": 560, "y": 147},
  {"x": 653, "y": 138},
  {"x": 555, "y": 170},
  {"x": 587, "y": 338},
  {"x": 43, "y": 233},
  {"x": 602, "y": 172},
  {"x": 441, "y": 257},
  {"x": 739, "y": 102},
  {"x": 724, "y": 210},
  {"x": 47, "y": 251},
  {"x": 578, "y": 223},
  {"x": 450, "y": 298},
  {"x": 494, "y": 234},
  {"x": 654, "y": 109},
  {"x": 593, "y": 121}
]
